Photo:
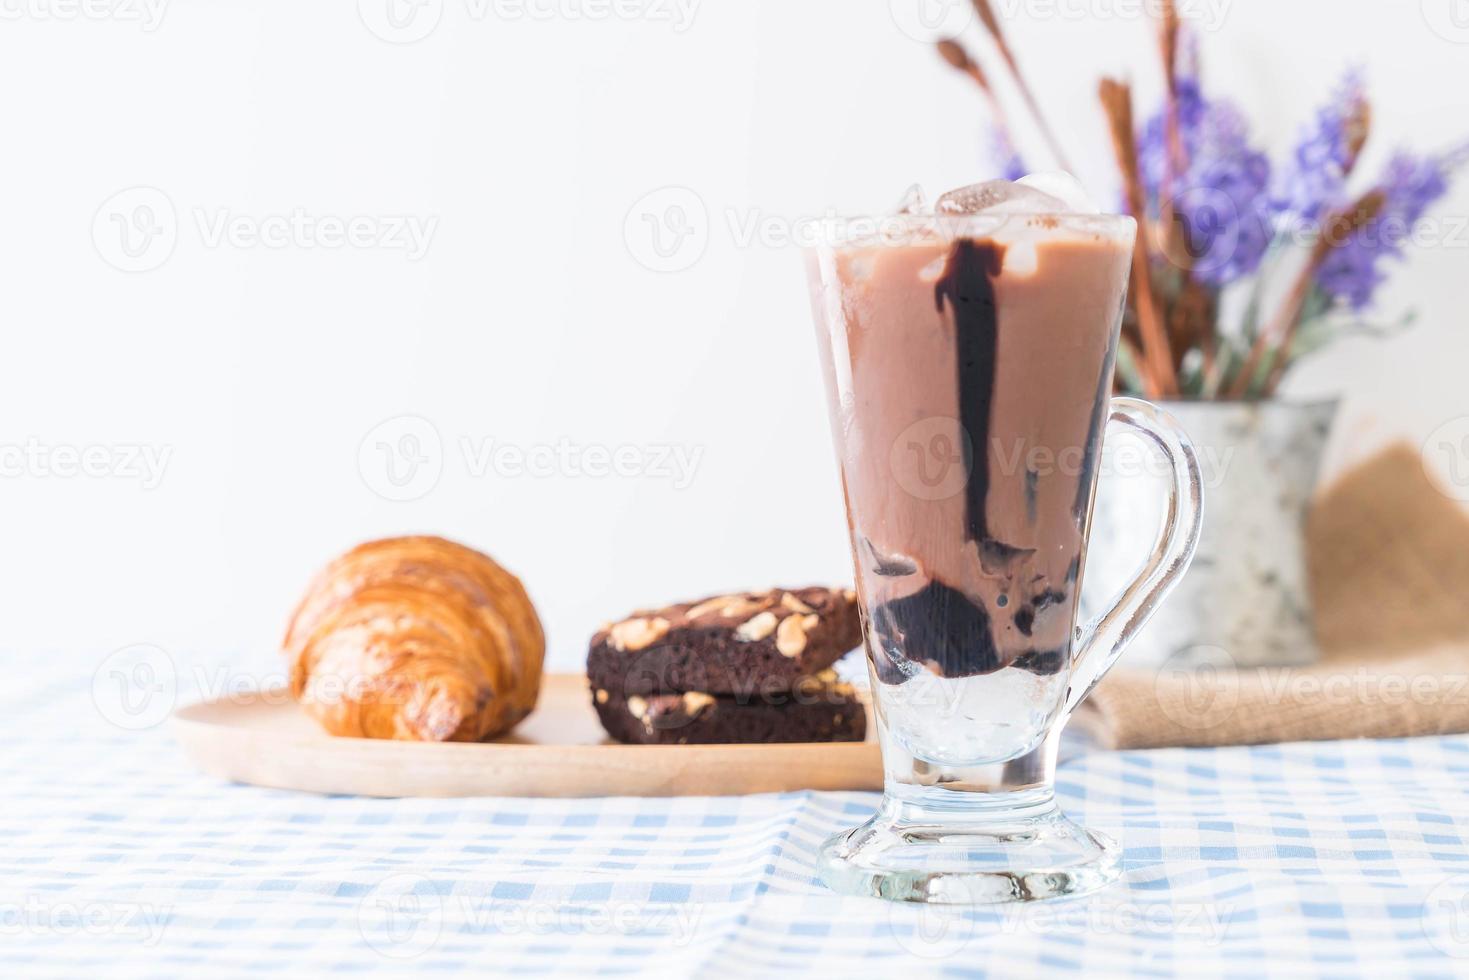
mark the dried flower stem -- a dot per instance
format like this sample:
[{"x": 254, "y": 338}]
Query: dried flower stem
[
  {"x": 1117, "y": 101},
  {"x": 1280, "y": 331},
  {"x": 1168, "y": 40},
  {"x": 992, "y": 25},
  {"x": 960, "y": 61},
  {"x": 1172, "y": 231},
  {"x": 1189, "y": 319},
  {"x": 1139, "y": 365}
]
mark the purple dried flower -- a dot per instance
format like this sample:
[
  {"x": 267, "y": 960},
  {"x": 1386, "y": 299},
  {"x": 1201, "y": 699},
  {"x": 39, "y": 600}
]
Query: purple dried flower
[
  {"x": 1152, "y": 142},
  {"x": 1352, "y": 272},
  {"x": 1222, "y": 196},
  {"x": 1314, "y": 180},
  {"x": 1003, "y": 152}
]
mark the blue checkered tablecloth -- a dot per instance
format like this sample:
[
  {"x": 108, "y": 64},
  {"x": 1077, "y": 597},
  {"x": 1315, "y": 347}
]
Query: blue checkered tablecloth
[{"x": 118, "y": 860}]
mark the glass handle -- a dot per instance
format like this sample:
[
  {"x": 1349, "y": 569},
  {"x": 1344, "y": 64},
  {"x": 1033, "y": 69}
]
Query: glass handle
[{"x": 1100, "y": 643}]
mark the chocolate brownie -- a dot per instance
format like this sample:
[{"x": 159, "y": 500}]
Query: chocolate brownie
[
  {"x": 747, "y": 643},
  {"x": 820, "y": 709}
]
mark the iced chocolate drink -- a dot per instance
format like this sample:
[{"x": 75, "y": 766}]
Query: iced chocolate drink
[
  {"x": 968, "y": 353},
  {"x": 969, "y": 356}
]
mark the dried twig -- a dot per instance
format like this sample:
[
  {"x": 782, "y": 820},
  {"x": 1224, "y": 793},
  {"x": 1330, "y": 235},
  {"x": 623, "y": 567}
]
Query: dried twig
[
  {"x": 1117, "y": 101},
  {"x": 1189, "y": 319},
  {"x": 1185, "y": 328},
  {"x": 1172, "y": 231},
  {"x": 992, "y": 25},
  {"x": 1139, "y": 365},
  {"x": 1168, "y": 41},
  {"x": 960, "y": 61},
  {"x": 1275, "y": 339}
]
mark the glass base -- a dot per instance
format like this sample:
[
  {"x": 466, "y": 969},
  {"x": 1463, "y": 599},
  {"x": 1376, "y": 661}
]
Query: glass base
[{"x": 962, "y": 848}]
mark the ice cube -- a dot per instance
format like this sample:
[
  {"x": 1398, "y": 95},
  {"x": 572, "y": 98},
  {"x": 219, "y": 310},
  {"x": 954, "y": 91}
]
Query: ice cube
[
  {"x": 914, "y": 201},
  {"x": 1064, "y": 187},
  {"x": 999, "y": 197}
]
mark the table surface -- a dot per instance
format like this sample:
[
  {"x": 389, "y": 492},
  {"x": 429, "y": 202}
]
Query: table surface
[{"x": 1335, "y": 858}]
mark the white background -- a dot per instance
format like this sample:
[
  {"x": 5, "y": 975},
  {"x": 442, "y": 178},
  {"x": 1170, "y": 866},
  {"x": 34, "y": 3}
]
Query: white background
[{"x": 527, "y": 133}]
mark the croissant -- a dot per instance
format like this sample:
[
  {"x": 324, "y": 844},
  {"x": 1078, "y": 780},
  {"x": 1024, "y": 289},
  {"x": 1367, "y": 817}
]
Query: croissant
[{"x": 416, "y": 638}]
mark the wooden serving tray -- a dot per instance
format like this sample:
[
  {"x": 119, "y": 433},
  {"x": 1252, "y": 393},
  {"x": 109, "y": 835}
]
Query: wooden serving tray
[{"x": 560, "y": 750}]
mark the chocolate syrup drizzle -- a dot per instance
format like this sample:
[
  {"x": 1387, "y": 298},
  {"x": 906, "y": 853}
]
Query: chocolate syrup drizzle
[{"x": 967, "y": 287}]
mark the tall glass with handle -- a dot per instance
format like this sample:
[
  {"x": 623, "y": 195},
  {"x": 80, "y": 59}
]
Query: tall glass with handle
[{"x": 969, "y": 363}]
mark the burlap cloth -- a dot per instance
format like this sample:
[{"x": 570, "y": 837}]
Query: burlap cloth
[{"x": 1389, "y": 569}]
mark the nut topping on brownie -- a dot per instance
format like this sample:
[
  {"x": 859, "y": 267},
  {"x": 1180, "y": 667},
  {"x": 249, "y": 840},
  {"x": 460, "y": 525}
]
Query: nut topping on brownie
[
  {"x": 727, "y": 644},
  {"x": 636, "y": 634}
]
